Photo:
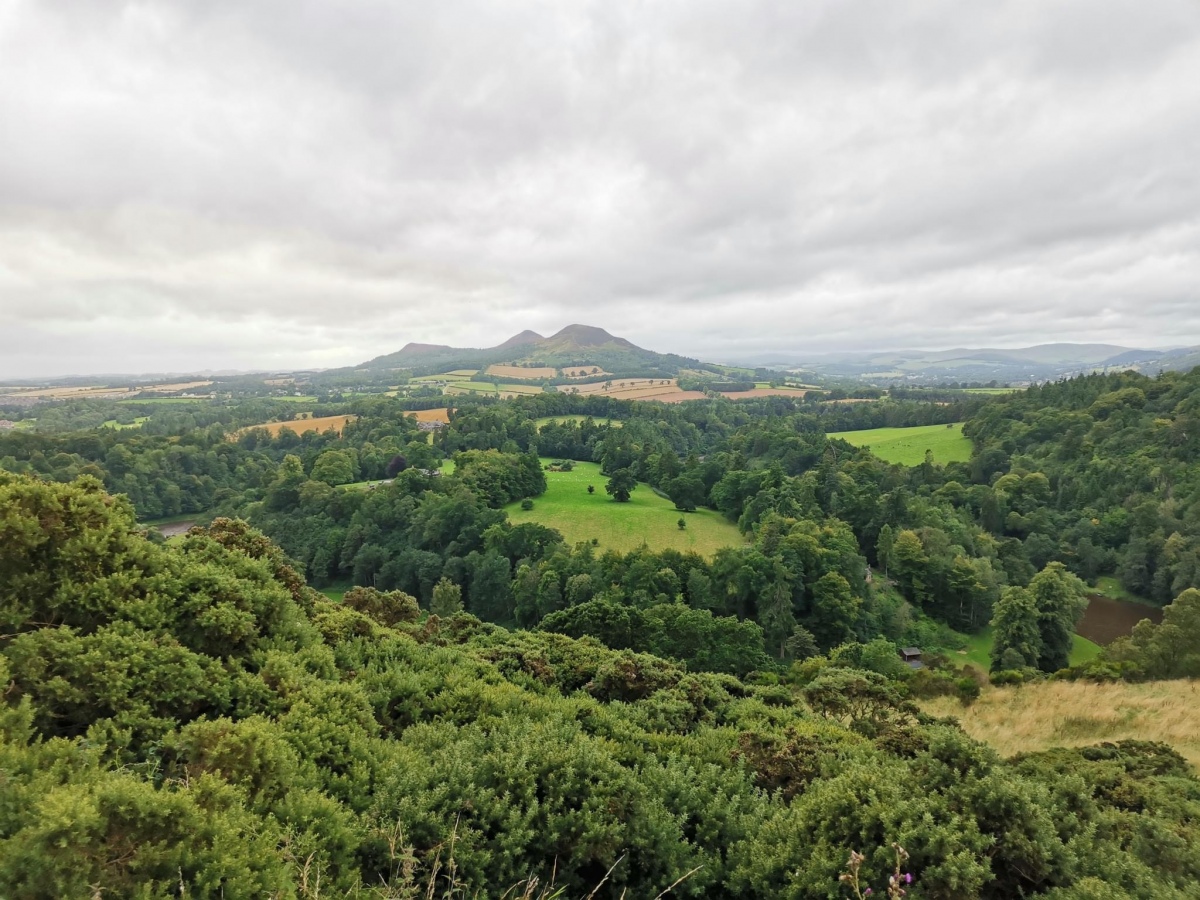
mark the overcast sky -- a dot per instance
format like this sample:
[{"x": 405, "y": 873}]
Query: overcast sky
[{"x": 228, "y": 184}]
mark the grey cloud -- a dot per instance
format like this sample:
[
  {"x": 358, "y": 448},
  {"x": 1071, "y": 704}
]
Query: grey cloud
[{"x": 302, "y": 183}]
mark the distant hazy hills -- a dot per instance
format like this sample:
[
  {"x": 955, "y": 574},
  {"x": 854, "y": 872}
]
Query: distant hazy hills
[
  {"x": 575, "y": 345},
  {"x": 985, "y": 364},
  {"x": 578, "y": 345}
]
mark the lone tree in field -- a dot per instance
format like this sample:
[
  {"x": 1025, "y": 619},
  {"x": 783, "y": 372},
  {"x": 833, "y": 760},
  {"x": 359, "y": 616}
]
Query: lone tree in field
[
  {"x": 621, "y": 485},
  {"x": 682, "y": 523},
  {"x": 591, "y": 489}
]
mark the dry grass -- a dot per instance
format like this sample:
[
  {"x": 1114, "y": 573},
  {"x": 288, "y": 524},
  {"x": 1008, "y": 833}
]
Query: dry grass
[
  {"x": 300, "y": 426},
  {"x": 584, "y": 370},
  {"x": 90, "y": 392},
  {"x": 441, "y": 414},
  {"x": 1078, "y": 713},
  {"x": 764, "y": 392},
  {"x": 521, "y": 372}
]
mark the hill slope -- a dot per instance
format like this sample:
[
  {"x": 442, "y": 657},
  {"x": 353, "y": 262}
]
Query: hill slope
[{"x": 573, "y": 345}]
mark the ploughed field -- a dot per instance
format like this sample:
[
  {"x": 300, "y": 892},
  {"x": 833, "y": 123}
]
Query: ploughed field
[
  {"x": 907, "y": 446},
  {"x": 647, "y": 518}
]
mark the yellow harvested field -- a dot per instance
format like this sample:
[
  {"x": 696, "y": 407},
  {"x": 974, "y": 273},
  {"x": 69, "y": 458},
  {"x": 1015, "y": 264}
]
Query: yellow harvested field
[
  {"x": 441, "y": 414},
  {"x": 1078, "y": 713},
  {"x": 520, "y": 372},
  {"x": 300, "y": 426},
  {"x": 172, "y": 388},
  {"x": 583, "y": 371},
  {"x": 764, "y": 392},
  {"x": 666, "y": 390},
  {"x": 464, "y": 373},
  {"x": 92, "y": 392}
]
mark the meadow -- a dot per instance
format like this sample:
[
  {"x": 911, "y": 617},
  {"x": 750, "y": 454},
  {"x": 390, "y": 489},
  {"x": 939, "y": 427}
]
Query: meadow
[
  {"x": 1049, "y": 714},
  {"x": 907, "y": 446},
  {"x": 979, "y": 649},
  {"x": 488, "y": 387},
  {"x": 646, "y": 519}
]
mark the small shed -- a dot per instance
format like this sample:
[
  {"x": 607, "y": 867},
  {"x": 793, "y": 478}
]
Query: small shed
[{"x": 912, "y": 657}]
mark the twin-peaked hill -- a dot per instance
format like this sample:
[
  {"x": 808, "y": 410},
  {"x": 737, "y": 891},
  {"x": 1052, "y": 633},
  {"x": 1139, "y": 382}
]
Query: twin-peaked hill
[{"x": 573, "y": 346}]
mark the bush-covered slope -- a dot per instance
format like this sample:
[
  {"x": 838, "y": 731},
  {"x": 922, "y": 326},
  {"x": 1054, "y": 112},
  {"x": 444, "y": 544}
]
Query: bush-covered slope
[{"x": 190, "y": 719}]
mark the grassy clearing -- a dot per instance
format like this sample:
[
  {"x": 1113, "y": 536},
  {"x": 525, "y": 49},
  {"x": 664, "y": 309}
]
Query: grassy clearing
[
  {"x": 1109, "y": 586},
  {"x": 561, "y": 420},
  {"x": 1077, "y": 713},
  {"x": 979, "y": 649},
  {"x": 907, "y": 446},
  {"x": 646, "y": 518},
  {"x": 114, "y": 424}
]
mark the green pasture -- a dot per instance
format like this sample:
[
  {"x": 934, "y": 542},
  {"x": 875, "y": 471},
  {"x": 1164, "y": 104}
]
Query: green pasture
[
  {"x": 998, "y": 391},
  {"x": 979, "y": 649},
  {"x": 646, "y": 519},
  {"x": 907, "y": 446},
  {"x": 113, "y": 423}
]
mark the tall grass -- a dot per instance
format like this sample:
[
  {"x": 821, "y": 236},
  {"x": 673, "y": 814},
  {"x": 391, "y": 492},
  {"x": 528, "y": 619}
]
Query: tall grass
[{"x": 1076, "y": 713}]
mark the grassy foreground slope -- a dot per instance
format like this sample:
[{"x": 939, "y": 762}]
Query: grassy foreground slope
[
  {"x": 646, "y": 518},
  {"x": 907, "y": 446},
  {"x": 1049, "y": 714}
]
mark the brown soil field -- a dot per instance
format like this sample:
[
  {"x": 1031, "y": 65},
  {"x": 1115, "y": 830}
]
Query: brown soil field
[
  {"x": 300, "y": 426},
  {"x": 441, "y": 414},
  {"x": 520, "y": 372},
  {"x": 763, "y": 392},
  {"x": 1078, "y": 713}
]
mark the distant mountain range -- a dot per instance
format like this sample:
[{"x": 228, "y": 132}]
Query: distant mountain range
[
  {"x": 575, "y": 345},
  {"x": 578, "y": 345},
  {"x": 1037, "y": 363}
]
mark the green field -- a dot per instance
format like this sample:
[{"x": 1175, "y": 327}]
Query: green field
[
  {"x": 646, "y": 518},
  {"x": 999, "y": 391},
  {"x": 113, "y": 423},
  {"x": 489, "y": 387},
  {"x": 546, "y": 420},
  {"x": 159, "y": 401},
  {"x": 907, "y": 446},
  {"x": 979, "y": 649}
]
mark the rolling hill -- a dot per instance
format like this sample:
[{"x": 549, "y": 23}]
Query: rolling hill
[{"x": 572, "y": 346}]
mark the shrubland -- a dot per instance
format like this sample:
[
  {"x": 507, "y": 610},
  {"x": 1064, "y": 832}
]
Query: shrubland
[{"x": 191, "y": 719}]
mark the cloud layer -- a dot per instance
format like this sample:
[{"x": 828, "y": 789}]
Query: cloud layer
[{"x": 284, "y": 183}]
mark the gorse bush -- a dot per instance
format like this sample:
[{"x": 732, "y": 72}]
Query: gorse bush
[{"x": 189, "y": 719}]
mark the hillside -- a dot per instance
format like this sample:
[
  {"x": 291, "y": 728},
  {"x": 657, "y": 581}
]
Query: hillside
[
  {"x": 1021, "y": 364},
  {"x": 573, "y": 345}
]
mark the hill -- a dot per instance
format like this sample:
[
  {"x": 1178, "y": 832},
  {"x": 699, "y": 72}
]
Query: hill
[
  {"x": 1020, "y": 364},
  {"x": 572, "y": 346}
]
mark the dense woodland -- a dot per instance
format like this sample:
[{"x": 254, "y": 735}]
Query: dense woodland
[{"x": 493, "y": 695}]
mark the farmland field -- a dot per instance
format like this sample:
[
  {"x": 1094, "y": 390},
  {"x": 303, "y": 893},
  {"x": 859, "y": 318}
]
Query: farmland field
[
  {"x": 1000, "y": 391},
  {"x": 300, "y": 426},
  {"x": 445, "y": 376},
  {"x": 441, "y": 414},
  {"x": 907, "y": 446},
  {"x": 521, "y": 372},
  {"x": 1049, "y": 714},
  {"x": 488, "y": 387},
  {"x": 646, "y": 518},
  {"x": 798, "y": 393}
]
